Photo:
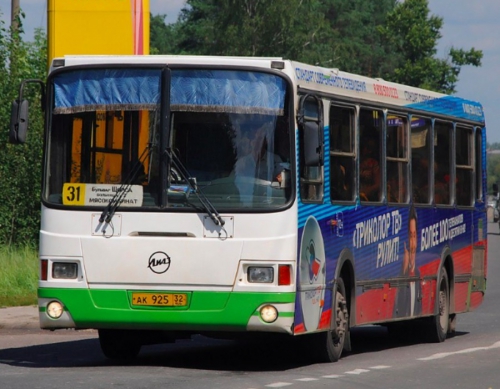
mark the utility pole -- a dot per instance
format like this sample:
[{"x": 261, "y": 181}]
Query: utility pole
[
  {"x": 14, "y": 30},
  {"x": 14, "y": 15}
]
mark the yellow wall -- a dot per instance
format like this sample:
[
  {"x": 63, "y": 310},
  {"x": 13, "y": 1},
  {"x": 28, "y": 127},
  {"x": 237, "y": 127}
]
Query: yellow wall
[{"x": 97, "y": 27}]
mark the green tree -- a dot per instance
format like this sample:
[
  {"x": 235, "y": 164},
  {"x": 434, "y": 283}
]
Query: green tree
[
  {"x": 386, "y": 38},
  {"x": 162, "y": 36},
  {"x": 289, "y": 29},
  {"x": 413, "y": 35},
  {"x": 354, "y": 43},
  {"x": 20, "y": 165},
  {"x": 330, "y": 33},
  {"x": 493, "y": 170},
  {"x": 493, "y": 146},
  {"x": 196, "y": 33}
]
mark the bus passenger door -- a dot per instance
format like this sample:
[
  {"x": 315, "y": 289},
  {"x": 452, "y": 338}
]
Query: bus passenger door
[
  {"x": 312, "y": 260},
  {"x": 310, "y": 119}
]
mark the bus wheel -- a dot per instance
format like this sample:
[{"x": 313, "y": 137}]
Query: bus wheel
[
  {"x": 440, "y": 322},
  {"x": 118, "y": 344},
  {"x": 329, "y": 344}
]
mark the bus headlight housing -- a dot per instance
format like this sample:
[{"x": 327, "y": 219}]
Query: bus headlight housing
[
  {"x": 260, "y": 274},
  {"x": 64, "y": 270}
]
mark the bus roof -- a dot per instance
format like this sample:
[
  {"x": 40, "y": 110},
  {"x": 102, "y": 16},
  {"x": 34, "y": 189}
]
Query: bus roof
[
  {"x": 313, "y": 78},
  {"x": 381, "y": 91}
]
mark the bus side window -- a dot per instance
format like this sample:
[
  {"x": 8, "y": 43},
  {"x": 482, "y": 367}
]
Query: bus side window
[
  {"x": 397, "y": 159},
  {"x": 464, "y": 165},
  {"x": 442, "y": 170},
  {"x": 370, "y": 171},
  {"x": 342, "y": 156},
  {"x": 420, "y": 159},
  {"x": 479, "y": 164}
]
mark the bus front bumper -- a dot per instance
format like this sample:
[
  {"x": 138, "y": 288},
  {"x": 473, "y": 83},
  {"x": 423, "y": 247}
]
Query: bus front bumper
[{"x": 205, "y": 311}]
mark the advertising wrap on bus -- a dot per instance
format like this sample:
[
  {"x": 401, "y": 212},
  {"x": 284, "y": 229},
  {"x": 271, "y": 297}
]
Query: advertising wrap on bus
[{"x": 386, "y": 239}]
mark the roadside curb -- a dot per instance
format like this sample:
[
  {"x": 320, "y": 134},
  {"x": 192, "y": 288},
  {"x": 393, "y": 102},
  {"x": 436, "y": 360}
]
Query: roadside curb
[{"x": 19, "y": 317}]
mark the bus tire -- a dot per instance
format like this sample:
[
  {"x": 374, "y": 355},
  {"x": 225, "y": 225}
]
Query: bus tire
[
  {"x": 118, "y": 344},
  {"x": 329, "y": 344},
  {"x": 439, "y": 323}
]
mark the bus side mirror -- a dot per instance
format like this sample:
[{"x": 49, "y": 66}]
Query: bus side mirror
[
  {"x": 19, "y": 113},
  {"x": 312, "y": 145},
  {"x": 18, "y": 122},
  {"x": 495, "y": 190}
]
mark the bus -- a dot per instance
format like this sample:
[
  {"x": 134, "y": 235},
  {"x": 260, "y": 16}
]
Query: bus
[{"x": 235, "y": 196}]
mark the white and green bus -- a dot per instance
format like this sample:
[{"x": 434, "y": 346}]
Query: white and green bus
[{"x": 241, "y": 196}]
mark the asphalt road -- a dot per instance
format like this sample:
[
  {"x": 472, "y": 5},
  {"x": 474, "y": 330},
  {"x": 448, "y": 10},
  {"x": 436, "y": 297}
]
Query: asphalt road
[{"x": 31, "y": 358}]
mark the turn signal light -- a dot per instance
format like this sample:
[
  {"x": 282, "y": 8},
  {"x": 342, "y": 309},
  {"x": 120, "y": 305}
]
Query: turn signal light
[
  {"x": 284, "y": 275},
  {"x": 44, "y": 264}
]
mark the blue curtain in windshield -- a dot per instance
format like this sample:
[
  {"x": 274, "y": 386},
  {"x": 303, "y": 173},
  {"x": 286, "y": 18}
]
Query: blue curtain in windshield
[
  {"x": 107, "y": 89},
  {"x": 227, "y": 91},
  {"x": 191, "y": 90}
]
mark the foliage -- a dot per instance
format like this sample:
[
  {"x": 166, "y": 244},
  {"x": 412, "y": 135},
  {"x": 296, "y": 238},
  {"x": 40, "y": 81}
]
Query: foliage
[
  {"x": 20, "y": 166},
  {"x": 386, "y": 38},
  {"x": 329, "y": 33},
  {"x": 19, "y": 275},
  {"x": 162, "y": 35},
  {"x": 493, "y": 169},
  {"x": 353, "y": 42},
  {"x": 493, "y": 165},
  {"x": 413, "y": 34},
  {"x": 250, "y": 28}
]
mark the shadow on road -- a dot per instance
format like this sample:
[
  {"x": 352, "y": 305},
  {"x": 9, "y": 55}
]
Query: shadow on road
[{"x": 199, "y": 353}]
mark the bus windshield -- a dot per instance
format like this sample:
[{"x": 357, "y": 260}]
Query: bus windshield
[{"x": 229, "y": 130}]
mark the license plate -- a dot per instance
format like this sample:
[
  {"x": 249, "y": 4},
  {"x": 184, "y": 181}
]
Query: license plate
[{"x": 159, "y": 299}]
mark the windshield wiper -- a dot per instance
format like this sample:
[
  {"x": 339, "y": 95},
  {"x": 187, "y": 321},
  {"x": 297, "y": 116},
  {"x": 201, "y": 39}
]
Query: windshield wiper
[
  {"x": 191, "y": 181},
  {"x": 123, "y": 189}
]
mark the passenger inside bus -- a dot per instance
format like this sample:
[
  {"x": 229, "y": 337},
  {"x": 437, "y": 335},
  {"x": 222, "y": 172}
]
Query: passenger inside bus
[
  {"x": 369, "y": 169},
  {"x": 259, "y": 162},
  {"x": 442, "y": 170},
  {"x": 441, "y": 188},
  {"x": 341, "y": 166},
  {"x": 396, "y": 183},
  {"x": 258, "y": 166},
  {"x": 420, "y": 169},
  {"x": 339, "y": 188}
]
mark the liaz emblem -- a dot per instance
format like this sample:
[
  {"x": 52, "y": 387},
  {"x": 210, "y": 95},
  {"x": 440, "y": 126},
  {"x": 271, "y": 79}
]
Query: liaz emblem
[{"x": 159, "y": 262}]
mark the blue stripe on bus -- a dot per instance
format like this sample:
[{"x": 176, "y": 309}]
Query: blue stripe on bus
[{"x": 452, "y": 106}]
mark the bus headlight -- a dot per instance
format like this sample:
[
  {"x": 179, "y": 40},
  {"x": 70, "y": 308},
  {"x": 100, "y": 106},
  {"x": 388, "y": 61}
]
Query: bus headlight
[
  {"x": 64, "y": 270},
  {"x": 268, "y": 313},
  {"x": 264, "y": 275},
  {"x": 55, "y": 309}
]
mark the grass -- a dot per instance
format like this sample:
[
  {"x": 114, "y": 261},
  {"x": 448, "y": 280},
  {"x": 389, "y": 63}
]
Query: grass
[{"x": 18, "y": 276}]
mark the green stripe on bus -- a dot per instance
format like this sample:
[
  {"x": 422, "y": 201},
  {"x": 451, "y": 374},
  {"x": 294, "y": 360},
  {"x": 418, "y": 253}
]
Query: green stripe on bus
[
  {"x": 281, "y": 314},
  {"x": 206, "y": 311}
]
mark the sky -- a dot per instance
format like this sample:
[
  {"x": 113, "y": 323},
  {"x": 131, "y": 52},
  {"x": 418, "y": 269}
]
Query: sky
[{"x": 467, "y": 24}]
